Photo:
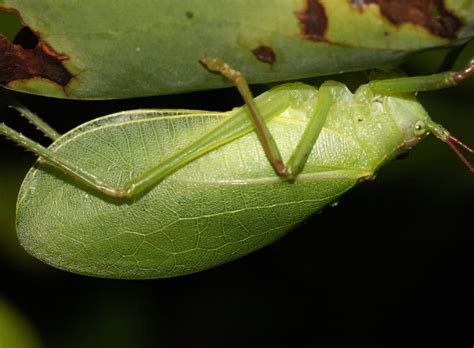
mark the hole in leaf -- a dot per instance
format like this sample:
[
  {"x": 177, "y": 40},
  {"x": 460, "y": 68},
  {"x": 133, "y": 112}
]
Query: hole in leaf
[{"x": 26, "y": 39}]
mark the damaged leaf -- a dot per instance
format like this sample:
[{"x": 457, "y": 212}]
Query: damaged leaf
[
  {"x": 124, "y": 49},
  {"x": 313, "y": 21},
  {"x": 41, "y": 61},
  {"x": 430, "y": 14}
]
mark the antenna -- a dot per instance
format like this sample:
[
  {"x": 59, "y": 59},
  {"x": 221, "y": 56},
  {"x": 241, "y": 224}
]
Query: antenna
[
  {"x": 441, "y": 133},
  {"x": 452, "y": 141}
]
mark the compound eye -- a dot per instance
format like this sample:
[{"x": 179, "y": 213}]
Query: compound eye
[{"x": 420, "y": 128}]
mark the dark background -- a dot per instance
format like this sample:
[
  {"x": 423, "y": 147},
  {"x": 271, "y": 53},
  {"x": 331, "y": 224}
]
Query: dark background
[{"x": 390, "y": 266}]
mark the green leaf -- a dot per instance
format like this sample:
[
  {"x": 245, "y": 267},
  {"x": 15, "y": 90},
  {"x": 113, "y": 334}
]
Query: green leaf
[
  {"x": 15, "y": 331},
  {"x": 120, "y": 49}
]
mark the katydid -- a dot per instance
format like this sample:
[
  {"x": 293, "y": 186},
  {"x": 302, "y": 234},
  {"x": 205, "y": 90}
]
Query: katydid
[{"x": 163, "y": 193}]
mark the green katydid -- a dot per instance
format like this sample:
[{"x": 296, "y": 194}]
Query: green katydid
[{"x": 162, "y": 193}]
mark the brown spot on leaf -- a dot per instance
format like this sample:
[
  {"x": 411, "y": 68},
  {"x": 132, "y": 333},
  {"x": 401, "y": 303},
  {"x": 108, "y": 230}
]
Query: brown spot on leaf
[
  {"x": 265, "y": 54},
  {"x": 431, "y": 14},
  {"x": 27, "y": 58},
  {"x": 52, "y": 53},
  {"x": 313, "y": 21}
]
